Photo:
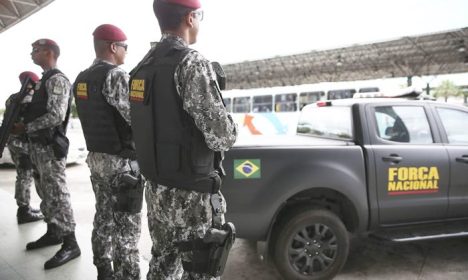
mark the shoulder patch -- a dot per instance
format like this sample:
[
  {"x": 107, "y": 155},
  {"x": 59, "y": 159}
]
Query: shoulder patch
[
  {"x": 82, "y": 91},
  {"x": 137, "y": 90},
  {"x": 58, "y": 89}
]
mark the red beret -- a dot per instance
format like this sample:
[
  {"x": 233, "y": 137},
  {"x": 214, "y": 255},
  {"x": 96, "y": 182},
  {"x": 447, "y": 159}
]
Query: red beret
[
  {"x": 47, "y": 43},
  {"x": 109, "y": 32},
  {"x": 28, "y": 74},
  {"x": 194, "y": 4}
]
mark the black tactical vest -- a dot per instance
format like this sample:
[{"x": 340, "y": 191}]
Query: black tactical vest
[
  {"x": 171, "y": 150},
  {"x": 105, "y": 130},
  {"x": 38, "y": 105}
]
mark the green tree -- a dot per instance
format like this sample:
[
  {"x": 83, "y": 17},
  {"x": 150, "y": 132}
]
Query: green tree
[
  {"x": 74, "y": 112},
  {"x": 446, "y": 89},
  {"x": 465, "y": 96}
]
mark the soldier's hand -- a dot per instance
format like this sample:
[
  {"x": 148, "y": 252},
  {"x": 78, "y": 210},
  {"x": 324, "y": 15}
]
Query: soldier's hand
[{"x": 18, "y": 128}]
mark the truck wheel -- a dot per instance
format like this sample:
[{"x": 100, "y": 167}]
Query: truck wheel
[{"x": 310, "y": 244}]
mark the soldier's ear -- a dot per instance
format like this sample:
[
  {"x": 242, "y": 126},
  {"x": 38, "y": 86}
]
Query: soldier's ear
[
  {"x": 113, "y": 48},
  {"x": 189, "y": 19}
]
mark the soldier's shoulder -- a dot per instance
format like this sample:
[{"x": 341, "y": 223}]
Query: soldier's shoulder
[
  {"x": 117, "y": 72},
  {"x": 59, "y": 83},
  {"x": 195, "y": 60},
  {"x": 195, "y": 56},
  {"x": 59, "y": 77}
]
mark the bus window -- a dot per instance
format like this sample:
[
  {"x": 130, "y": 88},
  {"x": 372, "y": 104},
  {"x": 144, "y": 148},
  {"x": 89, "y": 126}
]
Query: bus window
[
  {"x": 341, "y": 93},
  {"x": 227, "y": 103},
  {"x": 262, "y": 104},
  {"x": 241, "y": 104},
  {"x": 306, "y": 98},
  {"x": 286, "y": 102},
  {"x": 369, "y": 89}
]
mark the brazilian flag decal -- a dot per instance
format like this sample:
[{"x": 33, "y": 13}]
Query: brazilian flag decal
[{"x": 247, "y": 169}]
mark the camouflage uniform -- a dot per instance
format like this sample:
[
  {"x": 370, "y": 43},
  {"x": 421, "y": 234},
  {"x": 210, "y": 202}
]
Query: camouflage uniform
[
  {"x": 174, "y": 214},
  {"x": 52, "y": 188},
  {"x": 18, "y": 147},
  {"x": 19, "y": 151},
  {"x": 116, "y": 234}
]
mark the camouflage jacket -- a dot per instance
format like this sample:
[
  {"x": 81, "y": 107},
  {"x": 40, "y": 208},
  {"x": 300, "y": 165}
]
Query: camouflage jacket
[{"x": 201, "y": 99}]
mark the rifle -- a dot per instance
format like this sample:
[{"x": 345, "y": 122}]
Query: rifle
[
  {"x": 11, "y": 114},
  {"x": 220, "y": 75}
]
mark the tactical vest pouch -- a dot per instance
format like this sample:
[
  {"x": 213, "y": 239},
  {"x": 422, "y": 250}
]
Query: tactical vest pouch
[
  {"x": 210, "y": 254},
  {"x": 201, "y": 156},
  {"x": 128, "y": 194},
  {"x": 210, "y": 184}
]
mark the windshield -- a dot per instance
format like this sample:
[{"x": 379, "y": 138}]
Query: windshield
[{"x": 329, "y": 122}]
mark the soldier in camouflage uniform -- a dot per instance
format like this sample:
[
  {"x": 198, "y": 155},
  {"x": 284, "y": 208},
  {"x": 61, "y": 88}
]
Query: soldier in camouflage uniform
[
  {"x": 19, "y": 152},
  {"x": 101, "y": 94},
  {"x": 189, "y": 126},
  {"x": 45, "y": 123}
]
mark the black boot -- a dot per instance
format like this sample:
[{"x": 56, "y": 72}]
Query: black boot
[
  {"x": 48, "y": 239},
  {"x": 105, "y": 272},
  {"x": 34, "y": 210},
  {"x": 68, "y": 252},
  {"x": 26, "y": 214}
]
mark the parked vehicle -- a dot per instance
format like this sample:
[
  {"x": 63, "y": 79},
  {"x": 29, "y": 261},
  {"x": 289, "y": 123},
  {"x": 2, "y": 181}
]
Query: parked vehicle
[{"x": 391, "y": 168}]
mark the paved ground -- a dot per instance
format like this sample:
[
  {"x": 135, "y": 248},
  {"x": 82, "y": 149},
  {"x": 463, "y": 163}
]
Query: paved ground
[{"x": 434, "y": 260}]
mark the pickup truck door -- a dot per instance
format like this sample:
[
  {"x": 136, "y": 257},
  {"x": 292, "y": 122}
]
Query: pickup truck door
[
  {"x": 454, "y": 123},
  {"x": 411, "y": 165}
]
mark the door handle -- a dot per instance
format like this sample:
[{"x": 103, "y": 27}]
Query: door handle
[
  {"x": 392, "y": 158},
  {"x": 463, "y": 159}
]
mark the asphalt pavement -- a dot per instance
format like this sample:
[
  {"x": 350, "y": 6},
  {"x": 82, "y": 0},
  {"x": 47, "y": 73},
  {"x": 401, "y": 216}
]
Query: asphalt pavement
[{"x": 368, "y": 259}]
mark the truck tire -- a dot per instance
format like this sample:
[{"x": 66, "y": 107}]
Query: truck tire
[{"x": 310, "y": 244}]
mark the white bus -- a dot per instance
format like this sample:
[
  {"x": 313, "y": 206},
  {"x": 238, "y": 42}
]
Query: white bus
[{"x": 275, "y": 111}]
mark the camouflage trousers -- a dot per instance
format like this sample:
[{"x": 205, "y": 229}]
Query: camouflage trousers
[
  {"x": 52, "y": 188},
  {"x": 175, "y": 215},
  {"x": 115, "y": 234},
  {"x": 24, "y": 173}
]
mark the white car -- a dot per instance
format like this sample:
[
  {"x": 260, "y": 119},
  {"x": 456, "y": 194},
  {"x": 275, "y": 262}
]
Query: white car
[{"x": 76, "y": 153}]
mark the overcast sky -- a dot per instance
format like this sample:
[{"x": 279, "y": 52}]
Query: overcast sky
[{"x": 232, "y": 30}]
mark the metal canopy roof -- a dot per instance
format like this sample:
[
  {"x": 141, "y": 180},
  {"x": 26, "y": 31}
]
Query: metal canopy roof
[
  {"x": 431, "y": 54},
  {"x": 14, "y": 11}
]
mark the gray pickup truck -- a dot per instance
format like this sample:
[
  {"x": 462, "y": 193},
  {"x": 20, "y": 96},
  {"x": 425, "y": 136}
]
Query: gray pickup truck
[{"x": 392, "y": 168}]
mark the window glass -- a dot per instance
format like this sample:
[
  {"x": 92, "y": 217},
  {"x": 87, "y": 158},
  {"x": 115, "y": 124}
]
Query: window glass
[
  {"x": 286, "y": 102},
  {"x": 227, "y": 102},
  {"x": 262, "y": 104},
  {"x": 241, "y": 104},
  {"x": 341, "y": 94},
  {"x": 404, "y": 124},
  {"x": 328, "y": 122},
  {"x": 455, "y": 123},
  {"x": 306, "y": 98},
  {"x": 368, "y": 89}
]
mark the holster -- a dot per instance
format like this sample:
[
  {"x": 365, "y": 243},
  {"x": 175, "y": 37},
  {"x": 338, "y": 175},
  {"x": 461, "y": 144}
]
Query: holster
[
  {"x": 60, "y": 143},
  {"x": 54, "y": 137},
  {"x": 24, "y": 162},
  {"x": 129, "y": 193},
  {"x": 210, "y": 254}
]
